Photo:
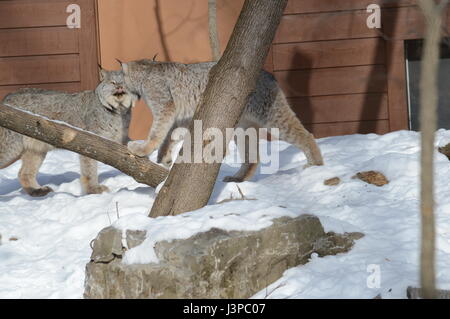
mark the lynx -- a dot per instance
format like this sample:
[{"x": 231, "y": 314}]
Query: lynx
[
  {"x": 105, "y": 111},
  {"x": 173, "y": 91}
]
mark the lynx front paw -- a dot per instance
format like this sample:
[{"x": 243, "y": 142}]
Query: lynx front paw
[
  {"x": 308, "y": 165},
  {"x": 38, "y": 192},
  {"x": 137, "y": 148},
  {"x": 99, "y": 189},
  {"x": 166, "y": 161},
  {"x": 232, "y": 179}
]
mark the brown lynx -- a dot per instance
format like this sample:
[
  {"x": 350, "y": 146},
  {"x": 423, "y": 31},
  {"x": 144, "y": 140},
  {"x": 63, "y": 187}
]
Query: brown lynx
[
  {"x": 105, "y": 111},
  {"x": 173, "y": 91}
]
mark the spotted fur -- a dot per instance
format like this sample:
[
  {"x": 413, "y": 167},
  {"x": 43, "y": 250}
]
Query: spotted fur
[
  {"x": 173, "y": 91},
  {"x": 105, "y": 111}
]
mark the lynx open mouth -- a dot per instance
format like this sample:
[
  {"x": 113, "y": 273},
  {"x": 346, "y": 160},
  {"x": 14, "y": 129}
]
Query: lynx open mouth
[{"x": 119, "y": 94}]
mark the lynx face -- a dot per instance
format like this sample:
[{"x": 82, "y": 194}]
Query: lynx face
[{"x": 113, "y": 93}]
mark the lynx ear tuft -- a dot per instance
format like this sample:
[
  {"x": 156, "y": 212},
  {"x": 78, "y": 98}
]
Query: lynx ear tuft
[
  {"x": 102, "y": 72},
  {"x": 124, "y": 66}
]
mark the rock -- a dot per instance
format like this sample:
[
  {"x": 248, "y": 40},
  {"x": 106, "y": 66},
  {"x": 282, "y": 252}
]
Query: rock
[
  {"x": 372, "y": 177},
  {"x": 213, "y": 264},
  {"x": 135, "y": 238},
  {"x": 333, "y": 244},
  {"x": 107, "y": 245},
  {"x": 445, "y": 150},
  {"x": 332, "y": 181}
]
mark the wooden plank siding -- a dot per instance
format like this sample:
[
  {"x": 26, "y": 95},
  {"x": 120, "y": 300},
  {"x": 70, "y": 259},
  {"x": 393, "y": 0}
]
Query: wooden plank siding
[
  {"x": 341, "y": 77},
  {"x": 37, "y": 41},
  {"x": 347, "y": 128},
  {"x": 37, "y": 49},
  {"x": 333, "y": 81},
  {"x": 33, "y": 13},
  {"x": 327, "y": 54},
  {"x": 341, "y": 108},
  {"x": 314, "y": 6},
  {"x": 39, "y": 69}
]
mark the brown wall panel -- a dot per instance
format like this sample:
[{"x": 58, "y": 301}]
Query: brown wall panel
[
  {"x": 403, "y": 23},
  {"x": 397, "y": 86},
  {"x": 333, "y": 81},
  {"x": 70, "y": 87},
  {"x": 346, "y": 128},
  {"x": 268, "y": 65},
  {"x": 324, "y": 54},
  {"x": 308, "y": 6},
  {"x": 38, "y": 41},
  {"x": 39, "y": 69},
  {"x": 324, "y": 26},
  {"x": 34, "y": 13},
  {"x": 341, "y": 108}
]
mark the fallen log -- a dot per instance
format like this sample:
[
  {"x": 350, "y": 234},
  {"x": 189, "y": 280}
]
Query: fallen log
[{"x": 68, "y": 137}]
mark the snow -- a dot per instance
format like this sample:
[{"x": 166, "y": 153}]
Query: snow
[{"x": 54, "y": 233}]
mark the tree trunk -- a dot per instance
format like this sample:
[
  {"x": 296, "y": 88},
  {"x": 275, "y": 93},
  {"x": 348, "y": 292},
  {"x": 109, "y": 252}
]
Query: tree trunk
[
  {"x": 231, "y": 81},
  {"x": 213, "y": 34},
  {"x": 162, "y": 36},
  {"x": 82, "y": 142},
  {"x": 428, "y": 106},
  {"x": 417, "y": 293}
]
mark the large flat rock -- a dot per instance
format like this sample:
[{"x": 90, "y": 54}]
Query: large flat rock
[{"x": 212, "y": 264}]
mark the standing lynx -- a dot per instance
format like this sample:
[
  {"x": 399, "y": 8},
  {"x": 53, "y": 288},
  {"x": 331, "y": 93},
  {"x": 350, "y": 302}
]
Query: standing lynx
[
  {"x": 173, "y": 91},
  {"x": 105, "y": 111}
]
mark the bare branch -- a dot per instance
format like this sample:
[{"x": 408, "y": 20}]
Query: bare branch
[
  {"x": 428, "y": 119},
  {"x": 213, "y": 34}
]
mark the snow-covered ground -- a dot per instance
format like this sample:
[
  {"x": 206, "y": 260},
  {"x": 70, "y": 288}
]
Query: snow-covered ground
[{"x": 45, "y": 241}]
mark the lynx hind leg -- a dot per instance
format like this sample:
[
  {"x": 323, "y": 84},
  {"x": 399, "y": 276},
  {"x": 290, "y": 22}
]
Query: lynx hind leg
[
  {"x": 89, "y": 177},
  {"x": 166, "y": 149},
  {"x": 32, "y": 160},
  {"x": 163, "y": 120},
  {"x": 164, "y": 152},
  {"x": 11, "y": 147},
  {"x": 292, "y": 131},
  {"x": 250, "y": 160}
]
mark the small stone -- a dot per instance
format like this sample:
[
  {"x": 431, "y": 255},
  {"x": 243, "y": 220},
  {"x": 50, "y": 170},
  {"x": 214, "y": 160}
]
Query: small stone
[
  {"x": 334, "y": 243},
  {"x": 445, "y": 150},
  {"x": 372, "y": 177},
  {"x": 107, "y": 245},
  {"x": 332, "y": 181},
  {"x": 135, "y": 238}
]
